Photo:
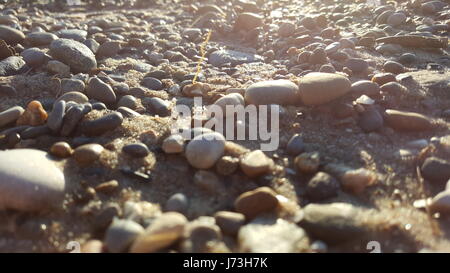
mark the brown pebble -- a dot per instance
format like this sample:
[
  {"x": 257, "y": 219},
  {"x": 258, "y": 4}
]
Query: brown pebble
[
  {"x": 407, "y": 121},
  {"x": 255, "y": 202},
  {"x": 61, "y": 149},
  {"x": 107, "y": 187},
  {"x": 34, "y": 115},
  {"x": 88, "y": 153},
  {"x": 256, "y": 163},
  {"x": 227, "y": 165},
  {"x": 307, "y": 162}
]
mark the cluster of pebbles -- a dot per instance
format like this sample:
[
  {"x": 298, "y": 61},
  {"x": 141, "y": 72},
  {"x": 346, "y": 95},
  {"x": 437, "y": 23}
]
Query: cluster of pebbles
[{"x": 87, "y": 153}]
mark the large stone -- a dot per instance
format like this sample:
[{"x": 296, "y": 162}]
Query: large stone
[
  {"x": 319, "y": 88},
  {"x": 30, "y": 180},
  {"x": 75, "y": 54},
  {"x": 282, "y": 92}
]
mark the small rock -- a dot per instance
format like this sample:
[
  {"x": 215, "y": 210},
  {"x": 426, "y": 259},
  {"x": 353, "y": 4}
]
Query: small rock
[
  {"x": 34, "y": 57},
  {"x": 121, "y": 234},
  {"x": 128, "y": 101},
  {"x": 407, "y": 121},
  {"x": 34, "y": 115},
  {"x": 229, "y": 222},
  {"x": 200, "y": 236},
  {"x": 61, "y": 149},
  {"x": 203, "y": 151},
  {"x": 75, "y": 54},
  {"x": 393, "y": 67},
  {"x": 436, "y": 170},
  {"x": 256, "y": 163},
  {"x": 69, "y": 85},
  {"x": 157, "y": 106},
  {"x": 107, "y": 187},
  {"x": 26, "y": 187},
  {"x": 173, "y": 144},
  {"x": 88, "y": 153},
  {"x": 11, "y": 66},
  {"x": 307, "y": 162},
  {"x": 365, "y": 87},
  {"x": 11, "y": 35},
  {"x": 370, "y": 120},
  {"x": 102, "y": 125},
  {"x": 40, "y": 38},
  {"x": 396, "y": 19},
  {"x": 99, "y": 90},
  {"x": 441, "y": 202},
  {"x": 71, "y": 120},
  {"x": 223, "y": 56},
  {"x": 77, "y": 97},
  {"x": 233, "y": 99},
  {"x": 356, "y": 181},
  {"x": 357, "y": 65},
  {"x": 177, "y": 202},
  {"x": 322, "y": 186},
  {"x": 73, "y": 34},
  {"x": 282, "y": 92},
  {"x": 248, "y": 21},
  {"x": 152, "y": 83},
  {"x": 286, "y": 29},
  {"x": 7, "y": 90},
  {"x": 319, "y": 88},
  {"x": 57, "y": 67},
  {"x": 207, "y": 181},
  {"x": 136, "y": 150},
  {"x": 109, "y": 49},
  {"x": 10, "y": 115},
  {"x": 255, "y": 202},
  {"x": 227, "y": 165},
  {"x": 383, "y": 78},
  {"x": 162, "y": 232},
  {"x": 295, "y": 146}
]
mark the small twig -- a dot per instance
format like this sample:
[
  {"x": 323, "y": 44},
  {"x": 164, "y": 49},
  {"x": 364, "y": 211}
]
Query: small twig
[{"x": 203, "y": 52}]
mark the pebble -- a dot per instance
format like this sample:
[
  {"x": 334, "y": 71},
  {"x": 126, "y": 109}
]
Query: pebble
[
  {"x": 318, "y": 56},
  {"x": 121, "y": 234},
  {"x": 61, "y": 149},
  {"x": 152, "y": 83},
  {"x": 136, "y": 150},
  {"x": 407, "y": 58},
  {"x": 157, "y": 106},
  {"x": 12, "y": 66},
  {"x": 92, "y": 246},
  {"x": 173, "y": 144},
  {"x": 321, "y": 187},
  {"x": 162, "y": 232},
  {"x": 307, "y": 162},
  {"x": 248, "y": 21},
  {"x": 365, "y": 87},
  {"x": 441, "y": 202},
  {"x": 57, "y": 67},
  {"x": 223, "y": 56},
  {"x": 34, "y": 57},
  {"x": 256, "y": 163},
  {"x": 229, "y": 222},
  {"x": 357, "y": 65},
  {"x": 282, "y": 92},
  {"x": 255, "y": 202},
  {"x": 332, "y": 223},
  {"x": 286, "y": 29},
  {"x": 7, "y": 91},
  {"x": 178, "y": 202},
  {"x": 128, "y": 101},
  {"x": 69, "y": 85},
  {"x": 203, "y": 151},
  {"x": 394, "y": 88},
  {"x": 75, "y": 54},
  {"x": 125, "y": 111},
  {"x": 318, "y": 88},
  {"x": 88, "y": 153},
  {"x": 272, "y": 236},
  {"x": 295, "y": 145},
  {"x": 396, "y": 19},
  {"x": 34, "y": 132},
  {"x": 227, "y": 165},
  {"x": 25, "y": 187},
  {"x": 383, "y": 78},
  {"x": 393, "y": 67},
  {"x": 108, "y": 49},
  {"x": 102, "y": 125},
  {"x": 71, "y": 120},
  {"x": 436, "y": 170},
  {"x": 207, "y": 181},
  {"x": 107, "y": 187},
  {"x": 40, "y": 38},
  {"x": 201, "y": 236},
  {"x": 34, "y": 115},
  {"x": 74, "y": 96},
  {"x": 370, "y": 120},
  {"x": 407, "y": 121},
  {"x": 10, "y": 115},
  {"x": 99, "y": 90},
  {"x": 11, "y": 35},
  {"x": 233, "y": 99}
]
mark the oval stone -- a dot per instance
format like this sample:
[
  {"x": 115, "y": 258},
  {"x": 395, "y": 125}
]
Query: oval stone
[
  {"x": 75, "y": 54},
  {"x": 203, "y": 151},
  {"x": 282, "y": 92},
  {"x": 318, "y": 88}
]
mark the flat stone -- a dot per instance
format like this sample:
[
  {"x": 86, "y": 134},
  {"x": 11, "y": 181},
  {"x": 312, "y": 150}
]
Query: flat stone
[
  {"x": 109, "y": 49},
  {"x": 157, "y": 106},
  {"x": 30, "y": 181},
  {"x": 69, "y": 85},
  {"x": 319, "y": 88},
  {"x": 282, "y": 92},
  {"x": 78, "y": 56},
  {"x": 73, "y": 34},
  {"x": 136, "y": 150},
  {"x": 203, "y": 151},
  {"x": 223, "y": 56},
  {"x": 40, "y": 38},
  {"x": 248, "y": 21},
  {"x": 162, "y": 232},
  {"x": 152, "y": 83},
  {"x": 255, "y": 202},
  {"x": 365, "y": 87},
  {"x": 102, "y": 125},
  {"x": 271, "y": 236},
  {"x": 34, "y": 57},
  {"x": 10, "y": 115},
  {"x": 256, "y": 163},
  {"x": 101, "y": 91},
  {"x": 74, "y": 96}
]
